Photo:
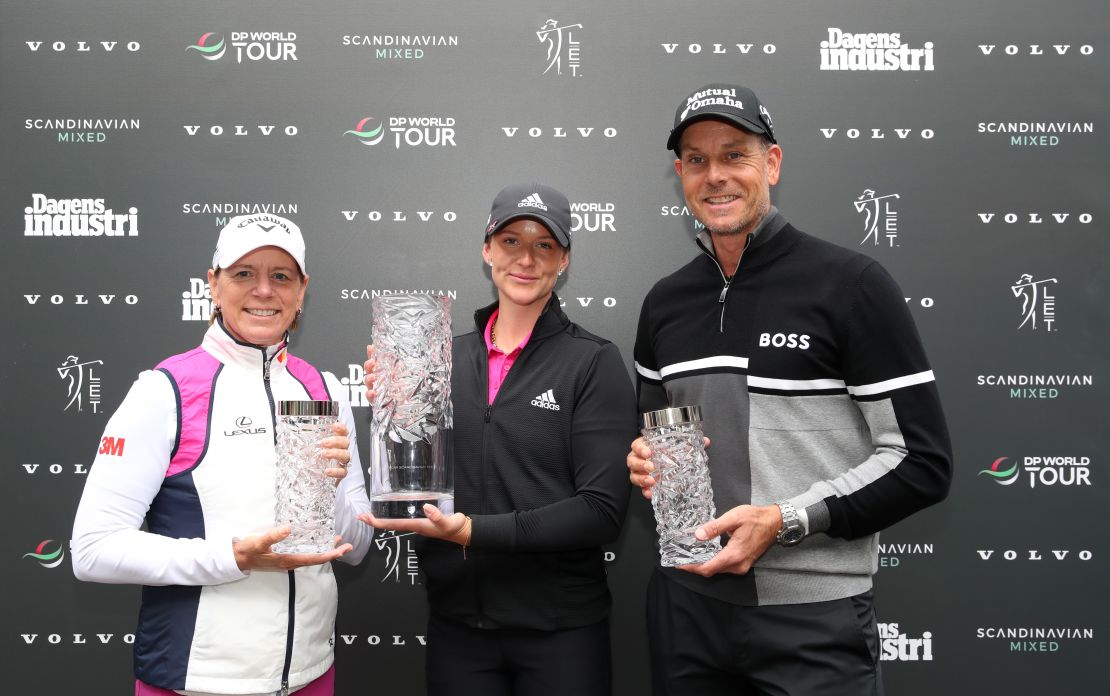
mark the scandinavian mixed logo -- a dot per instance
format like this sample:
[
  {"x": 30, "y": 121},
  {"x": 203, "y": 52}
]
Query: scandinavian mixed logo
[{"x": 400, "y": 46}]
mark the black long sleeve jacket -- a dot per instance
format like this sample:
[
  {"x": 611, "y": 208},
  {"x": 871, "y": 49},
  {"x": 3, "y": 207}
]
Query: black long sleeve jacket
[{"x": 541, "y": 472}]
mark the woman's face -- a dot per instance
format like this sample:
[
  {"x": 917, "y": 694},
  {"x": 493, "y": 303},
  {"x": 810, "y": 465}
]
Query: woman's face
[
  {"x": 259, "y": 295},
  {"x": 525, "y": 261}
]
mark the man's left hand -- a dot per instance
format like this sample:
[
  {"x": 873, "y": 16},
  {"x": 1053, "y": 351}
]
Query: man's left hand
[{"x": 751, "y": 531}]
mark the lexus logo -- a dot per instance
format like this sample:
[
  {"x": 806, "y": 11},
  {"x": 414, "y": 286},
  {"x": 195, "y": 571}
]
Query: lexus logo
[{"x": 243, "y": 427}]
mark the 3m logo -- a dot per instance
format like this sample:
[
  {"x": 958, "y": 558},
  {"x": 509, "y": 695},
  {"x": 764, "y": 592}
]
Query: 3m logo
[
  {"x": 112, "y": 446},
  {"x": 546, "y": 400}
]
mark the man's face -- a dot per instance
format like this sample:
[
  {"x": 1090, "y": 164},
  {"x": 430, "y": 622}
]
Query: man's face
[{"x": 727, "y": 176}]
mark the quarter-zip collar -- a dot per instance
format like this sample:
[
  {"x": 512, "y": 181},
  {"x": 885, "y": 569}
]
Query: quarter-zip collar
[
  {"x": 763, "y": 233},
  {"x": 771, "y": 224},
  {"x": 551, "y": 321},
  {"x": 230, "y": 351}
]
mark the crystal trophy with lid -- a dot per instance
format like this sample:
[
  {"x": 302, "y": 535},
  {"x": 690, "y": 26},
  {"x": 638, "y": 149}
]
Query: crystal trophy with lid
[
  {"x": 682, "y": 497},
  {"x": 305, "y": 496}
]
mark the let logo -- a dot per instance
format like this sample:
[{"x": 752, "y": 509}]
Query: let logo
[{"x": 112, "y": 446}]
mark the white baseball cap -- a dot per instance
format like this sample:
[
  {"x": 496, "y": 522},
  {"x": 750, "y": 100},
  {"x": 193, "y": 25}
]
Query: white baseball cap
[{"x": 245, "y": 233}]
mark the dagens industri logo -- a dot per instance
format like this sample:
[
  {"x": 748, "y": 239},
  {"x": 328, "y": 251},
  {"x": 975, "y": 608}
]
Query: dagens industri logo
[
  {"x": 77, "y": 217},
  {"x": 843, "y": 50}
]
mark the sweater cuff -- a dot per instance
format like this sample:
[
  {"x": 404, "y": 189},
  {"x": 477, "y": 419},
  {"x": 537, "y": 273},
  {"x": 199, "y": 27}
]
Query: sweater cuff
[{"x": 817, "y": 516}]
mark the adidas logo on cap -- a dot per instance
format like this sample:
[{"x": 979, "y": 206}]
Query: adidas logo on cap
[
  {"x": 532, "y": 201},
  {"x": 546, "y": 400}
]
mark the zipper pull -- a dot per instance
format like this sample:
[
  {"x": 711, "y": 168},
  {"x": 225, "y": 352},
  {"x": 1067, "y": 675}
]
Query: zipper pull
[
  {"x": 266, "y": 374},
  {"x": 284, "y": 691},
  {"x": 724, "y": 291},
  {"x": 489, "y": 410}
]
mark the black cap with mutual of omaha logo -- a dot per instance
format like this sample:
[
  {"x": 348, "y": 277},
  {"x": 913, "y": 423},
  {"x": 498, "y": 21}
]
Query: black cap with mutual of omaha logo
[
  {"x": 732, "y": 103},
  {"x": 537, "y": 201}
]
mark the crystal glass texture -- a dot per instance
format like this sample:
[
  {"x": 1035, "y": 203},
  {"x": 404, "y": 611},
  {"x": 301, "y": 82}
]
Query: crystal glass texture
[
  {"x": 411, "y": 456},
  {"x": 682, "y": 497},
  {"x": 305, "y": 497}
]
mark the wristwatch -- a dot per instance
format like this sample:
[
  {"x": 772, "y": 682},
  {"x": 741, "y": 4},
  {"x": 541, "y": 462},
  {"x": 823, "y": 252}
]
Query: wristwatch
[{"x": 792, "y": 530}]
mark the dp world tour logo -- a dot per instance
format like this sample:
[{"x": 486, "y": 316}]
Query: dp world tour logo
[
  {"x": 369, "y": 131},
  {"x": 46, "y": 559},
  {"x": 1001, "y": 476},
  {"x": 208, "y": 47}
]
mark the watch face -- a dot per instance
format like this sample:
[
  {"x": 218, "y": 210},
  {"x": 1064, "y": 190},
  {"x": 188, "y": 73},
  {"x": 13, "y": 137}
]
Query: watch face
[{"x": 791, "y": 536}]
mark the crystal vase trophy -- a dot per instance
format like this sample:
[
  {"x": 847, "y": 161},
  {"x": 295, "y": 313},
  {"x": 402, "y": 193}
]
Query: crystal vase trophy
[
  {"x": 682, "y": 497},
  {"x": 411, "y": 455},
  {"x": 305, "y": 497}
]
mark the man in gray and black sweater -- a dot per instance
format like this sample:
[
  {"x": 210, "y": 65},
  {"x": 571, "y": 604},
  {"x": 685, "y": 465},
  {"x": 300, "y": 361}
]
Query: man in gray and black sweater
[{"x": 823, "y": 413}]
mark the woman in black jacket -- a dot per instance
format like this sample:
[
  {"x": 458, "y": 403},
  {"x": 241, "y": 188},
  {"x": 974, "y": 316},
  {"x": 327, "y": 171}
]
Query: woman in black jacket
[{"x": 543, "y": 411}]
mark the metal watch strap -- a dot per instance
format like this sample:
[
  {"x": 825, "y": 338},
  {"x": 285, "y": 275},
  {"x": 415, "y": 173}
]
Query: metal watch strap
[{"x": 792, "y": 530}]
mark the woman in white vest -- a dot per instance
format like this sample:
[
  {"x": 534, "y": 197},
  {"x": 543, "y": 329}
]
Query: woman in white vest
[{"x": 190, "y": 454}]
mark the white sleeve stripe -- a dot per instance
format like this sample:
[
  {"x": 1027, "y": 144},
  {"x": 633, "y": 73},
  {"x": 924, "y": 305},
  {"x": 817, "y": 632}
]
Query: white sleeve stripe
[
  {"x": 892, "y": 384},
  {"x": 703, "y": 363},
  {"x": 795, "y": 384},
  {"x": 785, "y": 384},
  {"x": 650, "y": 374}
]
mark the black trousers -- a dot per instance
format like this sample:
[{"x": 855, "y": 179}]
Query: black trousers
[
  {"x": 517, "y": 662},
  {"x": 700, "y": 645}
]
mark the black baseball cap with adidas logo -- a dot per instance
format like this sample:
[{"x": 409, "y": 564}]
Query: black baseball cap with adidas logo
[{"x": 536, "y": 201}]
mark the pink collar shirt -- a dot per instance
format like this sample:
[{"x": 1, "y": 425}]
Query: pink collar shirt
[{"x": 499, "y": 361}]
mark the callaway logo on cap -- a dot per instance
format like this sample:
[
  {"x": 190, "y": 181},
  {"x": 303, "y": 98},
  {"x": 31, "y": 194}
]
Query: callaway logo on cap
[{"x": 244, "y": 233}]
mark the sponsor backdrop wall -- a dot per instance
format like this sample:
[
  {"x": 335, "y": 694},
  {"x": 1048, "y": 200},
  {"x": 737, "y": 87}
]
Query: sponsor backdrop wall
[{"x": 961, "y": 144}]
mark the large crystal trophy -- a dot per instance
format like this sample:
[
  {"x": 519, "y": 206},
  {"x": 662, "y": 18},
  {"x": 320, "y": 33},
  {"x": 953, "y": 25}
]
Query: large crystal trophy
[
  {"x": 305, "y": 497},
  {"x": 411, "y": 456},
  {"x": 682, "y": 497}
]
